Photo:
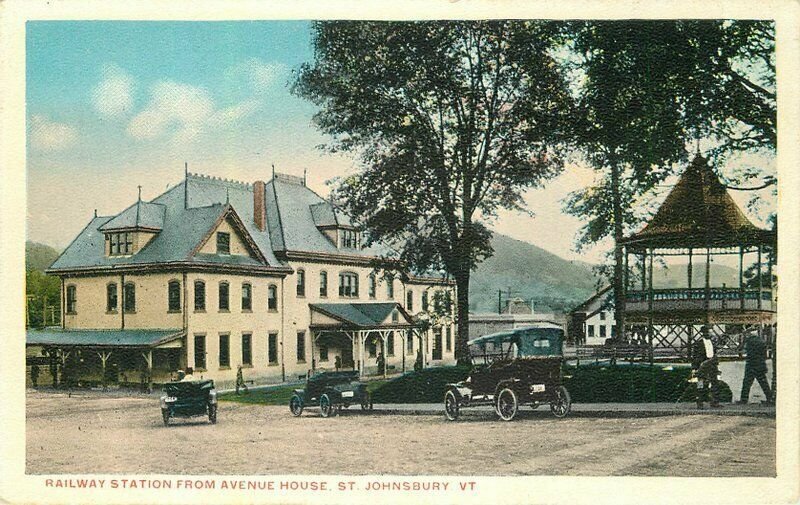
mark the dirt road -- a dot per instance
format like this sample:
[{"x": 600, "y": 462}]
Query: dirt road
[{"x": 103, "y": 434}]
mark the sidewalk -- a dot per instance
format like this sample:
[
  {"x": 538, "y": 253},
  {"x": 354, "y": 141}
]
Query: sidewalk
[{"x": 594, "y": 409}]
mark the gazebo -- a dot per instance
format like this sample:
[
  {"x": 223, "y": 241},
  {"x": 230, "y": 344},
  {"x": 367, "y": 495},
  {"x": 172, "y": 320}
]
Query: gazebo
[{"x": 699, "y": 218}]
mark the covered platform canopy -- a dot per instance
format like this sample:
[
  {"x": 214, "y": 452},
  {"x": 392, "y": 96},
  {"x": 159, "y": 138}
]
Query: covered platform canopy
[
  {"x": 105, "y": 342},
  {"x": 360, "y": 321}
]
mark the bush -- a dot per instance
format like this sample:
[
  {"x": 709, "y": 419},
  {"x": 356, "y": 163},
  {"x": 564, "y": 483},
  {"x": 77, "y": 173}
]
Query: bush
[
  {"x": 424, "y": 386},
  {"x": 586, "y": 384}
]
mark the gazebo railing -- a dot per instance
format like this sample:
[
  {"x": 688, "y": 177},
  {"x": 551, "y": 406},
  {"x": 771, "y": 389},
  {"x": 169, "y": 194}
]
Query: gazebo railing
[{"x": 694, "y": 299}]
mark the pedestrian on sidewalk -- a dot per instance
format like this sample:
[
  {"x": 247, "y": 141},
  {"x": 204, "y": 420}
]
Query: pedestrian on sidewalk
[
  {"x": 705, "y": 365},
  {"x": 755, "y": 367}
]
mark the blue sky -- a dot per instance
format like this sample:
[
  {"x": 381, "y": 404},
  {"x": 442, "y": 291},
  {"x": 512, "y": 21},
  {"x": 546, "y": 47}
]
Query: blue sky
[{"x": 116, "y": 104}]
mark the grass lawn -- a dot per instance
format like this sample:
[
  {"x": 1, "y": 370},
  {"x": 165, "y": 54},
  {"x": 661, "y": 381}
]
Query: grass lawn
[{"x": 280, "y": 395}]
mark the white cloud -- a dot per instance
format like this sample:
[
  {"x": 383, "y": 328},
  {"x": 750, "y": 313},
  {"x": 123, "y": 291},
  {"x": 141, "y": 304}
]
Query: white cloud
[
  {"x": 49, "y": 135},
  {"x": 185, "y": 112},
  {"x": 113, "y": 96},
  {"x": 259, "y": 74}
]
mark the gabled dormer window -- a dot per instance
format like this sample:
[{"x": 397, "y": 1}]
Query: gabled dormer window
[
  {"x": 120, "y": 243},
  {"x": 349, "y": 239},
  {"x": 223, "y": 242}
]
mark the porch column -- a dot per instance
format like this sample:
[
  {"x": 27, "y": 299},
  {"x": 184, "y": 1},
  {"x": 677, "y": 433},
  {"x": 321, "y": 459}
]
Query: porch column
[
  {"x": 313, "y": 360},
  {"x": 148, "y": 359},
  {"x": 384, "y": 352},
  {"x": 360, "y": 335},
  {"x": 104, "y": 355},
  {"x": 404, "y": 336}
]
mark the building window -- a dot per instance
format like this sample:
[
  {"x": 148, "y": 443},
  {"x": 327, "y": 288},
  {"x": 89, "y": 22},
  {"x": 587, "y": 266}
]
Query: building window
[
  {"x": 72, "y": 299},
  {"x": 247, "y": 297},
  {"x": 272, "y": 348},
  {"x": 323, "y": 284},
  {"x": 247, "y": 349},
  {"x": 111, "y": 298},
  {"x": 224, "y": 350},
  {"x": 425, "y": 301},
  {"x": 199, "y": 295},
  {"x": 174, "y": 296},
  {"x": 613, "y": 330},
  {"x": 323, "y": 352},
  {"x": 395, "y": 316},
  {"x": 200, "y": 352},
  {"x": 410, "y": 300},
  {"x": 602, "y": 315},
  {"x": 409, "y": 344},
  {"x": 390, "y": 344},
  {"x": 272, "y": 297},
  {"x": 301, "y": 282},
  {"x": 372, "y": 285},
  {"x": 224, "y": 296},
  {"x": 602, "y": 331},
  {"x": 348, "y": 285},
  {"x": 301, "y": 347},
  {"x": 591, "y": 330},
  {"x": 349, "y": 238},
  {"x": 120, "y": 244},
  {"x": 223, "y": 242},
  {"x": 449, "y": 338},
  {"x": 129, "y": 297},
  {"x": 390, "y": 287}
]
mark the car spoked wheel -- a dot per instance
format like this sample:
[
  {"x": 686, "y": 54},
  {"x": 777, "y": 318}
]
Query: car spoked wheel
[
  {"x": 450, "y": 406},
  {"x": 212, "y": 414},
  {"x": 366, "y": 402},
  {"x": 562, "y": 403},
  {"x": 165, "y": 415},
  {"x": 507, "y": 404},
  {"x": 296, "y": 406},
  {"x": 325, "y": 407}
]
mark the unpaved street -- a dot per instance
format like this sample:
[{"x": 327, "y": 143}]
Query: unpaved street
[{"x": 104, "y": 434}]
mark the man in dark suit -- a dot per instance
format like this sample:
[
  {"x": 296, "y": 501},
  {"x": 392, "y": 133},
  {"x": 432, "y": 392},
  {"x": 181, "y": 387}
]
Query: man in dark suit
[
  {"x": 755, "y": 367},
  {"x": 705, "y": 366}
]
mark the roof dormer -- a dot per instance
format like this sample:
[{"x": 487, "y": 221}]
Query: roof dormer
[
  {"x": 132, "y": 229},
  {"x": 335, "y": 225}
]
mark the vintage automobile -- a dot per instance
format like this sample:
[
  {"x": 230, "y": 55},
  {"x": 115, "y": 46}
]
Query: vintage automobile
[
  {"x": 331, "y": 391},
  {"x": 511, "y": 368},
  {"x": 189, "y": 399}
]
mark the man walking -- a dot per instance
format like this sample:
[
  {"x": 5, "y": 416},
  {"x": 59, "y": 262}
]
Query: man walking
[
  {"x": 755, "y": 368},
  {"x": 706, "y": 370}
]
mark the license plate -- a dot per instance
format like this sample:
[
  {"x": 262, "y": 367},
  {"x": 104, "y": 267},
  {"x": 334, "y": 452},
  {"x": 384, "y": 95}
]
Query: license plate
[
  {"x": 170, "y": 399},
  {"x": 347, "y": 394},
  {"x": 537, "y": 388}
]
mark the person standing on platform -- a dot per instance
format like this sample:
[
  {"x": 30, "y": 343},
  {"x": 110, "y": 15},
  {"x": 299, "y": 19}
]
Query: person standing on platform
[{"x": 755, "y": 368}]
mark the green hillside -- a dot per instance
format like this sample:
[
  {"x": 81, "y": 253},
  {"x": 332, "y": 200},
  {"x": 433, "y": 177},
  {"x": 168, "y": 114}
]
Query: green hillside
[
  {"x": 39, "y": 256},
  {"x": 531, "y": 273}
]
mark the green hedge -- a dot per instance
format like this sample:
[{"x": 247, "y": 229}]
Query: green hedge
[{"x": 621, "y": 383}]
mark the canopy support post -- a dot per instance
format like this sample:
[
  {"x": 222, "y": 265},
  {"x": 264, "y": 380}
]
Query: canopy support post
[
  {"x": 104, "y": 355},
  {"x": 148, "y": 359}
]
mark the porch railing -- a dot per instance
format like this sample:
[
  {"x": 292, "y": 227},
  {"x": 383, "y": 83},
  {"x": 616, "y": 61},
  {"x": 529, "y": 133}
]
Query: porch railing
[{"x": 694, "y": 299}]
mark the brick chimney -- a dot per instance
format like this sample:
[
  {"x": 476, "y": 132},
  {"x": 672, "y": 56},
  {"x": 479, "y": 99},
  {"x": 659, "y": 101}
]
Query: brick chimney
[{"x": 259, "y": 207}]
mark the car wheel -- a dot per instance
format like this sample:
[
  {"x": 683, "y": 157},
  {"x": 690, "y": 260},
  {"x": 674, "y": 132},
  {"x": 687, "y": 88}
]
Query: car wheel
[
  {"x": 325, "y": 407},
  {"x": 562, "y": 403},
  {"x": 366, "y": 402},
  {"x": 507, "y": 404},
  {"x": 296, "y": 406},
  {"x": 212, "y": 414},
  {"x": 450, "y": 406},
  {"x": 165, "y": 416}
]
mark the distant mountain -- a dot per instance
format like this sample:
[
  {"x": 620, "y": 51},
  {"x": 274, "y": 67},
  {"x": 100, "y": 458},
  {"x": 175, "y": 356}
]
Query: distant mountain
[
  {"x": 39, "y": 256},
  {"x": 532, "y": 274}
]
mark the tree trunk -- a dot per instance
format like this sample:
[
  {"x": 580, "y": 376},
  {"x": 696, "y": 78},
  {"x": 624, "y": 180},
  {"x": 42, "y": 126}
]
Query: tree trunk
[
  {"x": 619, "y": 299},
  {"x": 462, "y": 314}
]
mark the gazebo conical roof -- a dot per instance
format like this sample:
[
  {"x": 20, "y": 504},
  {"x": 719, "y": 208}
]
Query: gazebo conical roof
[{"x": 699, "y": 213}]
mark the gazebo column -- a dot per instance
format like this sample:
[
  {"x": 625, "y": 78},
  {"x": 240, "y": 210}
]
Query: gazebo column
[
  {"x": 707, "y": 297},
  {"x": 760, "y": 278},
  {"x": 741, "y": 277},
  {"x": 650, "y": 305},
  {"x": 690, "y": 327}
]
